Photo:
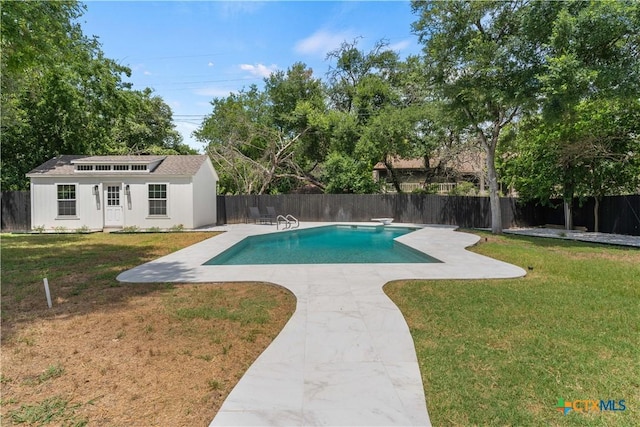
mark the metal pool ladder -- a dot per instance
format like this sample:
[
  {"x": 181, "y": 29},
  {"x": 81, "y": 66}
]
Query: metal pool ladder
[{"x": 290, "y": 221}]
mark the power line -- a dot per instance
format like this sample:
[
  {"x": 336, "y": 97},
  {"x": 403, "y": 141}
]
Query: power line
[
  {"x": 203, "y": 55},
  {"x": 205, "y": 81}
]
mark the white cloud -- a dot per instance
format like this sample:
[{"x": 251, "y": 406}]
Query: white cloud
[
  {"x": 229, "y": 9},
  {"x": 400, "y": 46},
  {"x": 259, "y": 70},
  {"x": 147, "y": 73},
  {"x": 213, "y": 91},
  {"x": 186, "y": 130},
  {"x": 322, "y": 42},
  {"x": 210, "y": 64}
]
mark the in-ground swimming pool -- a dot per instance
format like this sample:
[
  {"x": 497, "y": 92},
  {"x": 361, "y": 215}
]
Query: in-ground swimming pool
[{"x": 338, "y": 244}]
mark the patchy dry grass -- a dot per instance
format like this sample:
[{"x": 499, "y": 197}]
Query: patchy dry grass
[{"x": 123, "y": 354}]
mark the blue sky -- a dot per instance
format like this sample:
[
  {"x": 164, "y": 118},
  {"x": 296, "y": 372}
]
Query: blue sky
[{"x": 192, "y": 51}]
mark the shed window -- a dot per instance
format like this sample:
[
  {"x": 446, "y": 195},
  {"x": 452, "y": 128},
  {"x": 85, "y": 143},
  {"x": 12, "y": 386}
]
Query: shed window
[
  {"x": 157, "y": 199},
  {"x": 120, "y": 167},
  {"x": 84, "y": 167},
  {"x": 138, "y": 167},
  {"x": 66, "y": 200},
  {"x": 103, "y": 167}
]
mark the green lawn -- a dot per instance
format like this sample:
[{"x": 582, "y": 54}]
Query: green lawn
[{"x": 503, "y": 352}]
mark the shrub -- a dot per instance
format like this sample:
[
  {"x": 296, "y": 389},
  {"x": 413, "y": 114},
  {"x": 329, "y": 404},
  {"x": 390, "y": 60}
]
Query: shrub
[
  {"x": 464, "y": 189},
  {"x": 427, "y": 189},
  {"x": 83, "y": 229}
]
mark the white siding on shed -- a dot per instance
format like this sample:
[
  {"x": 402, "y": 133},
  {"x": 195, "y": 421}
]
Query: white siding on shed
[
  {"x": 204, "y": 196},
  {"x": 44, "y": 195},
  {"x": 190, "y": 192},
  {"x": 179, "y": 203}
]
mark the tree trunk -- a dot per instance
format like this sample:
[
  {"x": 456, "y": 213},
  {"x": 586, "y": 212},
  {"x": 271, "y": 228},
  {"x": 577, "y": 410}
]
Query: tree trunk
[
  {"x": 394, "y": 176},
  {"x": 489, "y": 146},
  {"x": 568, "y": 215},
  {"x": 494, "y": 196},
  {"x": 596, "y": 214},
  {"x": 568, "y": 204}
]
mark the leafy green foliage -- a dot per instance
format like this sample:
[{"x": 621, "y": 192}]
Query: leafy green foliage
[
  {"x": 344, "y": 174},
  {"x": 60, "y": 95},
  {"x": 595, "y": 152},
  {"x": 583, "y": 141},
  {"x": 492, "y": 62},
  {"x": 463, "y": 189},
  {"x": 549, "y": 90},
  {"x": 482, "y": 67},
  {"x": 262, "y": 140}
]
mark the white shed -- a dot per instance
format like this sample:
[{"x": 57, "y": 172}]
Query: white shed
[{"x": 98, "y": 192}]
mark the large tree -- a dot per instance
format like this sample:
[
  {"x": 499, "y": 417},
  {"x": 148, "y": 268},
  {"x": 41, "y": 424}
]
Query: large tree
[
  {"x": 61, "y": 95},
  {"x": 594, "y": 153},
  {"x": 145, "y": 126},
  {"x": 583, "y": 140},
  {"x": 482, "y": 68},
  {"x": 382, "y": 101},
  {"x": 267, "y": 140}
]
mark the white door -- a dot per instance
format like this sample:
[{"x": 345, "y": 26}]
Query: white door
[{"x": 113, "y": 206}]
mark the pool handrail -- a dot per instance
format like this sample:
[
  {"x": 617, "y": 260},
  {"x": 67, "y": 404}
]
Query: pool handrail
[
  {"x": 289, "y": 222},
  {"x": 294, "y": 220}
]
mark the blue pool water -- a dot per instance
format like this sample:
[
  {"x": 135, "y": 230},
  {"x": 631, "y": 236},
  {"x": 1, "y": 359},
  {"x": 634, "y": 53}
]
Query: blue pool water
[{"x": 324, "y": 245}]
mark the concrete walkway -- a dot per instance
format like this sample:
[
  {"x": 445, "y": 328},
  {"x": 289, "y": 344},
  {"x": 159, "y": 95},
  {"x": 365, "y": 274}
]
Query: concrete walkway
[
  {"x": 346, "y": 356},
  {"x": 581, "y": 236}
]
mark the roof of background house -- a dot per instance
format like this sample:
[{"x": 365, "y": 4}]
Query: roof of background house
[
  {"x": 462, "y": 162},
  {"x": 398, "y": 163},
  {"x": 182, "y": 165}
]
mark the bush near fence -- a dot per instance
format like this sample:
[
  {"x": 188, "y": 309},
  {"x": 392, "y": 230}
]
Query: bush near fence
[{"x": 618, "y": 214}]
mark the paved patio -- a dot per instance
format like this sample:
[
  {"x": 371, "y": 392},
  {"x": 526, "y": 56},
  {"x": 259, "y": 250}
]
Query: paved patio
[
  {"x": 581, "y": 236},
  {"x": 346, "y": 356}
]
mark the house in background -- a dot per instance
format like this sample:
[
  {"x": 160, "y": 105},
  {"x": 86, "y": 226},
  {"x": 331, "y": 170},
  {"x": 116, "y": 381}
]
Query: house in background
[
  {"x": 445, "y": 168},
  {"x": 113, "y": 192}
]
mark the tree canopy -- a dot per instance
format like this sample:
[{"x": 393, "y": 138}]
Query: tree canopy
[
  {"x": 61, "y": 95},
  {"x": 494, "y": 63},
  {"x": 549, "y": 91}
]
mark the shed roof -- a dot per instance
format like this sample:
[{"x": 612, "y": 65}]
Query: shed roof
[{"x": 171, "y": 165}]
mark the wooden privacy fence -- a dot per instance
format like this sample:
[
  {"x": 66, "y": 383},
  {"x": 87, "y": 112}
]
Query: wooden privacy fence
[
  {"x": 618, "y": 214},
  {"x": 16, "y": 210},
  {"x": 409, "y": 208}
]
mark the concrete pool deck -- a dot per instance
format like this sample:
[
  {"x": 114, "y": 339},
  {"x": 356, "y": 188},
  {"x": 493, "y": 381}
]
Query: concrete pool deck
[{"x": 346, "y": 356}]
